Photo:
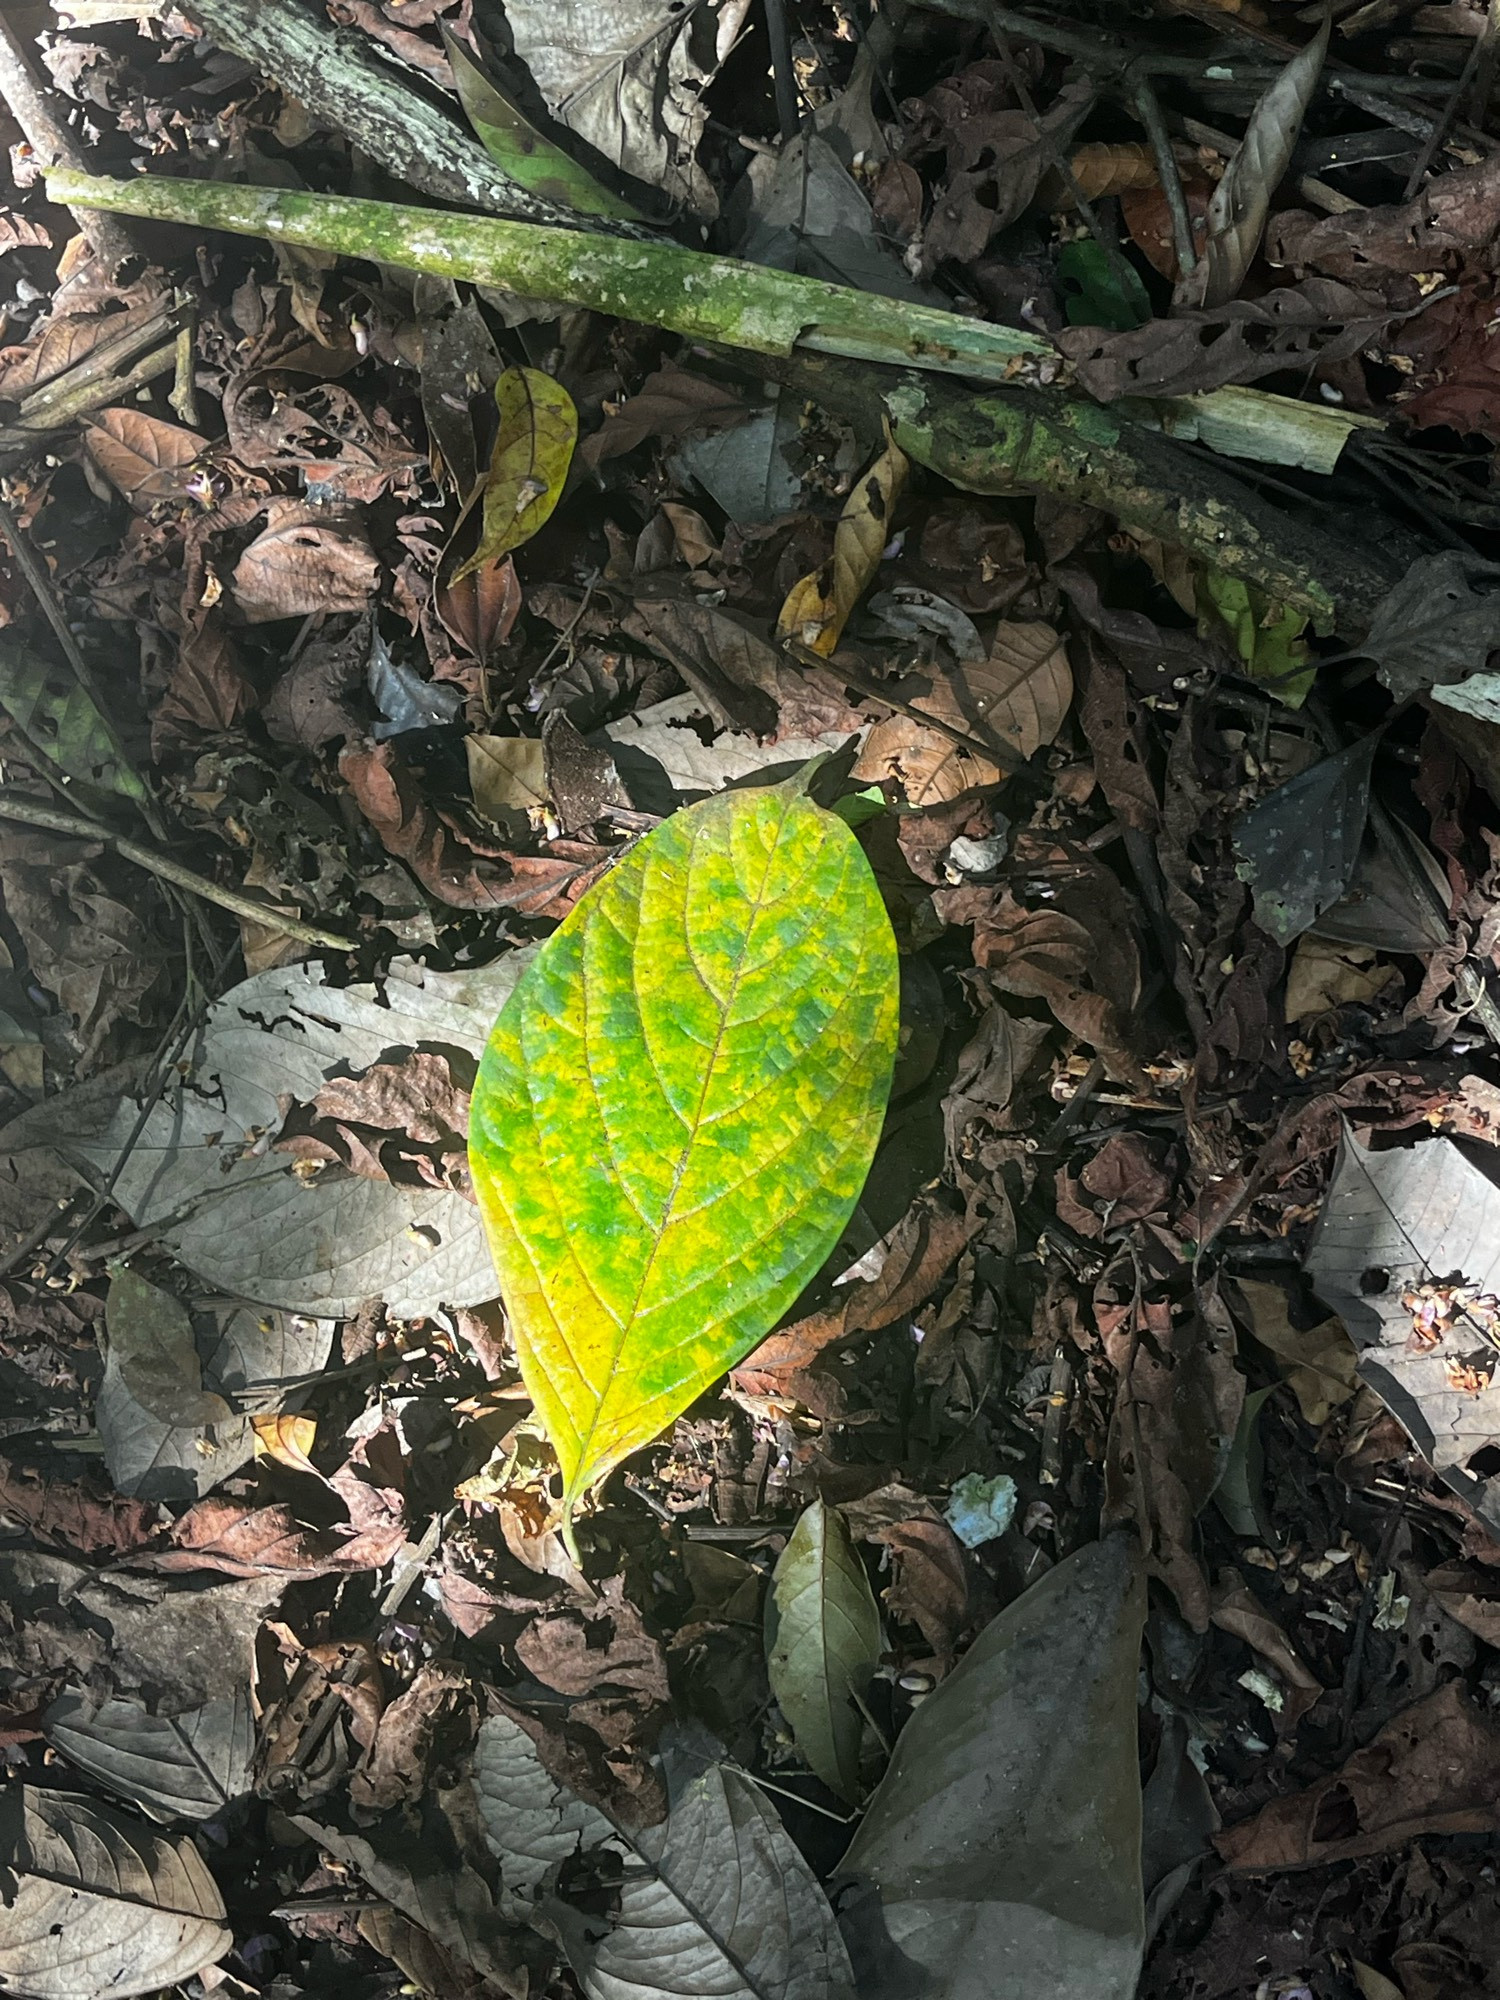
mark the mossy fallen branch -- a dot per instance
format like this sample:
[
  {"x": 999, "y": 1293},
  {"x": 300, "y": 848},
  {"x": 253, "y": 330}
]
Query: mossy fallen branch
[
  {"x": 1026, "y": 432},
  {"x": 701, "y": 297}
]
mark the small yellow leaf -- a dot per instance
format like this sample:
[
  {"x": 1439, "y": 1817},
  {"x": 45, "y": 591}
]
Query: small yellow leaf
[
  {"x": 817, "y": 606},
  {"x": 287, "y": 1438},
  {"x": 533, "y": 450},
  {"x": 506, "y": 774}
]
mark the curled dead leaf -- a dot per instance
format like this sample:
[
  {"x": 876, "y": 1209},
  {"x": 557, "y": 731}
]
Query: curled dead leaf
[{"x": 818, "y": 605}]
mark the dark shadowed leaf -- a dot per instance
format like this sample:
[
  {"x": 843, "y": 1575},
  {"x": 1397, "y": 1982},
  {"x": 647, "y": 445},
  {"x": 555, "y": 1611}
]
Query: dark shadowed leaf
[
  {"x": 1002, "y": 1851},
  {"x": 171, "y": 1766},
  {"x": 151, "y": 1338},
  {"x": 1298, "y": 846},
  {"x": 823, "y": 1644},
  {"x": 1438, "y": 625}
]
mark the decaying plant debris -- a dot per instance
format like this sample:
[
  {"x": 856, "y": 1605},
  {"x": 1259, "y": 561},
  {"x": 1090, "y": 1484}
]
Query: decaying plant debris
[{"x": 439, "y": 441}]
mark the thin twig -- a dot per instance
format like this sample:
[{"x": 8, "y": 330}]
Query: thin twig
[
  {"x": 783, "y": 73},
  {"x": 108, "y": 237},
  {"x": 1148, "y": 109},
  {"x": 1445, "y": 119},
  {"x": 168, "y": 870}
]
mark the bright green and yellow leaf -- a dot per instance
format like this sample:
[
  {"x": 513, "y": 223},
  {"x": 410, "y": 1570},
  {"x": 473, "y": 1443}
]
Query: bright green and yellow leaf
[
  {"x": 529, "y": 465},
  {"x": 523, "y": 154},
  {"x": 677, "y": 1109}
]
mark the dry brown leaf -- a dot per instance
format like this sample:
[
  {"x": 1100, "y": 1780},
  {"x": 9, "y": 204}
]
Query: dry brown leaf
[
  {"x": 1434, "y": 1768},
  {"x": 480, "y": 611},
  {"x": 391, "y": 799},
  {"x": 1236, "y": 1609},
  {"x": 240, "y": 1539},
  {"x": 1324, "y": 975},
  {"x": 1021, "y": 694},
  {"x": 1100, "y": 170},
  {"x": 818, "y": 605},
  {"x": 1176, "y": 1410},
  {"x": 144, "y": 459},
  {"x": 1318, "y": 1362},
  {"x": 507, "y": 775},
  {"x": 73, "y": 1514},
  {"x": 921, "y": 1250},
  {"x": 300, "y": 565}
]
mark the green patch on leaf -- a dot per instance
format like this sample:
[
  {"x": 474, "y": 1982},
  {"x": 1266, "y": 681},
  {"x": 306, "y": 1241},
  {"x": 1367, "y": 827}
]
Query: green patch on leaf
[
  {"x": 52, "y": 711},
  {"x": 1268, "y": 636},
  {"x": 520, "y": 151},
  {"x": 677, "y": 1110},
  {"x": 1094, "y": 294}
]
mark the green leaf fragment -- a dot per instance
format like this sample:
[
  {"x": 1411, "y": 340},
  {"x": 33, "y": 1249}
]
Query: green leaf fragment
[
  {"x": 520, "y": 151},
  {"x": 1096, "y": 293},
  {"x": 1268, "y": 636},
  {"x": 59, "y": 717},
  {"x": 823, "y": 1645},
  {"x": 677, "y": 1109}
]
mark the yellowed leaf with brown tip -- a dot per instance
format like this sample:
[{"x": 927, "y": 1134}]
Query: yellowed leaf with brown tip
[
  {"x": 817, "y": 606},
  {"x": 287, "y": 1437}
]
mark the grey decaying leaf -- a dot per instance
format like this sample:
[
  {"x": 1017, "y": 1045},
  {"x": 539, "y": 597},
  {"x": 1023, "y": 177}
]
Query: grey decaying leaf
[
  {"x": 404, "y": 698},
  {"x": 247, "y": 1352},
  {"x": 237, "y": 1215},
  {"x": 1241, "y": 202},
  {"x": 1392, "y": 1222},
  {"x": 1437, "y": 626},
  {"x": 101, "y": 1905},
  {"x": 531, "y": 1821},
  {"x": 714, "y": 1901},
  {"x": 185, "y": 1766},
  {"x": 1298, "y": 846},
  {"x": 1000, "y": 1858}
]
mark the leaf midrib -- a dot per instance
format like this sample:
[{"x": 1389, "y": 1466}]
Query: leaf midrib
[{"x": 691, "y": 1134}]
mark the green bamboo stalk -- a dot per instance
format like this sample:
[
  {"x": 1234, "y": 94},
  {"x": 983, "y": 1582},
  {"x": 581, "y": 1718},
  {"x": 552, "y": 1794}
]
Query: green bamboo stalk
[{"x": 698, "y": 296}]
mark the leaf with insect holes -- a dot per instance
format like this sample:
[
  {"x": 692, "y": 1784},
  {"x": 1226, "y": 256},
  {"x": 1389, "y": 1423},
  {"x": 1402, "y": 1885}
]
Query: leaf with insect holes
[
  {"x": 818, "y": 605},
  {"x": 533, "y": 450},
  {"x": 677, "y": 1109},
  {"x": 823, "y": 1644}
]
